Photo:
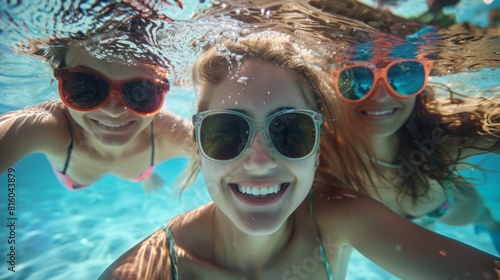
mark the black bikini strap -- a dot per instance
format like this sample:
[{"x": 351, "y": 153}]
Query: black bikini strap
[
  {"x": 152, "y": 144},
  {"x": 70, "y": 147}
]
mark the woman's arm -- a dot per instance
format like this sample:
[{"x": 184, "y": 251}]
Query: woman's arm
[
  {"x": 400, "y": 246},
  {"x": 149, "y": 260},
  {"x": 39, "y": 128}
]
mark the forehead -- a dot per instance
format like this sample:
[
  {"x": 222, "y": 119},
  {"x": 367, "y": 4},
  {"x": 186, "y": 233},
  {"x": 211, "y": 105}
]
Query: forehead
[
  {"x": 78, "y": 57},
  {"x": 258, "y": 87}
]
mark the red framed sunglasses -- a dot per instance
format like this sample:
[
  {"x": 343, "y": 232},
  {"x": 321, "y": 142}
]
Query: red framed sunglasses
[
  {"x": 402, "y": 78},
  {"x": 85, "y": 89}
]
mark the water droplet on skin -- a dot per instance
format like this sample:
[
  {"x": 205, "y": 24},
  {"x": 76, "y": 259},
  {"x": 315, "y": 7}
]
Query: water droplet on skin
[
  {"x": 236, "y": 103},
  {"x": 263, "y": 102},
  {"x": 242, "y": 80},
  {"x": 399, "y": 248}
]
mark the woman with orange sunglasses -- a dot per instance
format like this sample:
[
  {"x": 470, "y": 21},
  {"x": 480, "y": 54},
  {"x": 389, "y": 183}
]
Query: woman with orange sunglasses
[
  {"x": 109, "y": 120},
  {"x": 417, "y": 143}
]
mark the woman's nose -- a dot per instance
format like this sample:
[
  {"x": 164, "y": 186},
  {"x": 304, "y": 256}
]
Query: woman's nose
[
  {"x": 259, "y": 158},
  {"x": 114, "y": 106},
  {"x": 380, "y": 91}
]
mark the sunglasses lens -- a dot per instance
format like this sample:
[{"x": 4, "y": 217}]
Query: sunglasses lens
[
  {"x": 407, "y": 77},
  {"x": 354, "y": 83},
  {"x": 293, "y": 134},
  {"x": 223, "y": 136},
  {"x": 143, "y": 96},
  {"x": 84, "y": 90}
]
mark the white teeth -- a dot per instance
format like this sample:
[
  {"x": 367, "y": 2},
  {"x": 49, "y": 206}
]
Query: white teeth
[
  {"x": 113, "y": 125},
  {"x": 259, "y": 191},
  {"x": 379, "y": 113}
]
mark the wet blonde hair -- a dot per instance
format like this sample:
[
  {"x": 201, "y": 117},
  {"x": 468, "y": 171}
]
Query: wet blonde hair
[{"x": 218, "y": 63}]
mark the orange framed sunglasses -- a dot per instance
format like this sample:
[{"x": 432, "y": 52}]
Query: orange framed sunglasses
[{"x": 403, "y": 78}]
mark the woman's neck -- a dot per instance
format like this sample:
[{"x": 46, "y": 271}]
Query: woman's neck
[
  {"x": 241, "y": 251},
  {"x": 385, "y": 149}
]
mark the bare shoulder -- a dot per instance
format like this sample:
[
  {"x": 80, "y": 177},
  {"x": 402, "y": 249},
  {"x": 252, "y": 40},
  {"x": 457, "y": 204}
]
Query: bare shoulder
[
  {"x": 149, "y": 259},
  {"x": 166, "y": 120},
  {"x": 187, "y": 226},
  {"x": 193, "y": 234},
  {"x": 39, "y": 128},
  {"x": 173, "y": 135},
  {"x": 40, "y": 117},
  {"x": 46, "y": 110}
]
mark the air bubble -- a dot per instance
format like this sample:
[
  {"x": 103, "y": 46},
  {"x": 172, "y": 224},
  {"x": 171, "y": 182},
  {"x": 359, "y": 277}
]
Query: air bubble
[{"x": 242, "y": 80}]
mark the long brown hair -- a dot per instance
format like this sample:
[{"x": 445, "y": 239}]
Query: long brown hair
[
  {"x": 435, "y": 125},
  {"x": 461, "y": 121}
]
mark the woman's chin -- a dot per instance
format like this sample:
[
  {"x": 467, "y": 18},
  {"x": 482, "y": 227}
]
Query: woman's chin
[{"x": 259, "y": 223}]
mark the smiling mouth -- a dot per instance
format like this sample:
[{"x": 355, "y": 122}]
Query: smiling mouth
[
  {"x": 261, "y": 191},
  {"x": 382, "y": 113},
  {"x": 259, "y": 195},
  {"x": 113, "y": 126}
]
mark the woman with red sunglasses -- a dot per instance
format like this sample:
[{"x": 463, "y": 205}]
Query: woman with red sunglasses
[
  {"x": 417, "y": 142},
  {"x": 109, "y": 120}
]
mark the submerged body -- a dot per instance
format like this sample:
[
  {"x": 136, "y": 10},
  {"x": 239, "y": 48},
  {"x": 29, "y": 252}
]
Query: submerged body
[
  {"x": 83, "y": 146},
  {"x": 417, "y": 144}
]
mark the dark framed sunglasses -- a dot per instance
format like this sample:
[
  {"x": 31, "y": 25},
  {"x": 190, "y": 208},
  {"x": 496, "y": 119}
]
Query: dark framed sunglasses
[
  {"x": 85, "y": 89},
  {"x": 224, "y": 135},
  {"x": 402, "y": 78}
]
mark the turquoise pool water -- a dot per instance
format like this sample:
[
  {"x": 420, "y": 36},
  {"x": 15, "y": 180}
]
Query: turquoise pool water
[{"x": 62, "y": 234}]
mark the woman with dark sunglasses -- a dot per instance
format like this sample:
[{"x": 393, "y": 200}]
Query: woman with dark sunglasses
[
  {"x": 109, "y": 120},
  {"x": 417, "y": 142},
  {"x": 257, "y": 131}
]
